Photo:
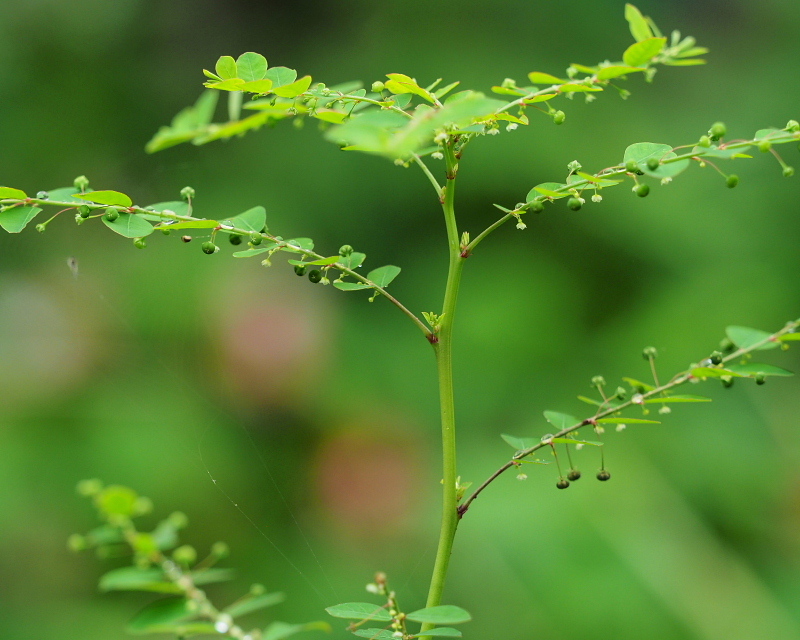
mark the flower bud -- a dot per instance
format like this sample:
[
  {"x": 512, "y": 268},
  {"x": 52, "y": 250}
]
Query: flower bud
[
  {"x": 220, "y": 550},
  {"x": 788, "y": 171},
  {"x": 81, "y": 183},
  {"x": 345, "y": 250},
  {"x": 649, "y": 352},
  {"x": 378, "y": 86},
  {"x": 717, "y": 130},
  {"x": 559, "y": 117},
  {"x": 185, "y": 554},
  {"x": 187, "y": 193}
]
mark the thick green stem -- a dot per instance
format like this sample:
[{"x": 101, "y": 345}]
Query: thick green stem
[{"x": 444, "y": 362}]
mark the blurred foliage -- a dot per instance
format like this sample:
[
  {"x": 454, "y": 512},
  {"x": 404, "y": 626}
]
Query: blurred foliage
[{"x": 315, "y": 412}]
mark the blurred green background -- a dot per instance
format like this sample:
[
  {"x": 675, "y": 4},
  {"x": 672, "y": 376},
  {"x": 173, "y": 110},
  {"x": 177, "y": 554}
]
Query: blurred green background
[{"x": 315, "y": 411}]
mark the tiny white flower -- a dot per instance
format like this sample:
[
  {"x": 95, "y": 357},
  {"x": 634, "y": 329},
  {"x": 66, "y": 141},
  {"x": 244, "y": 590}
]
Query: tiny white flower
[
  {"x": 521, "y": 225},
  {"x": 373, "y": 588},
  {"x": 397, "y": 634},
  {"x": 522, "y": 476},
  {"x": 664, "y": 410},
  {"x": 622, "y": 427},
  {"x": 440, "y": 137},
  {"x": 665, "y": 181},
  {"x": 583, "y": 201},
  {"x": 221, "y": 627},
  {"x": 511, "y": 126},
  {"x": 579, "y": 446},
  {"x": 597, "y": 198},
  {"x": 637, "y": 399},
  {"x": 437, "y": 155},
  {"x": 598, "y": 429},
  {"x": 493, "y": 132}
]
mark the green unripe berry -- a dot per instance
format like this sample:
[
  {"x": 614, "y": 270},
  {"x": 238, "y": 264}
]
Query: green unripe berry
[
  {"x": 257, "y": 589},
  {"x": 220, "y": 550},
  {"x": 110, "y": 215},
  {"x": 649, "y": 352},
  {"x": 537, "y": 206},
  {"x": 345, "y": 250},
  {"x": 574, "y": 203},
  {"x": 631, "y": 166},
  {"x": 717, "y": 130},
  {"x": 300, "y": 269},
  {"x": 187, "y": 193},
  {"x": 378, "y": 86},
  {"x": 760, "y": 378},
  {"x": 793, "y": 126},
  {"x": 255, "y": 239},
  {"x": 84, "y": 211},
  {"x": 81, "y": 183},
  {"x": 209, "y": 247},
  {"x": 41, "y": 227},
  {"x": 727, "y": 382},
  {"x": 140, "y": 243},
  {"x": 185, "y": 554},
  {"x": 788, "y": 171},
  {"x": 315, "y": 275},
  {"x": 716, "y": 358},
  {"x": 764, "y": 146},
  {"x": 178, "y": 519},
  {"x": 642, "y": 190},
  {"x": 559, "y": 117},
  {"x": 732, "y": 180},
  {"x": 704, "y": 141},
  {"x": 562, "y": 483},
  {"x": 603, "y": 475},
  {"x": 235, "y": 240},
  {"x": 653, "y": 164},
  {"x": 574, "y": 475},
  {"x": 77, "y": 542}
]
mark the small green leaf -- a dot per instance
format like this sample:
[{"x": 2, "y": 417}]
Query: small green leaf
[
  {"x": 607, "y": 73},
  {"x": 537, "y": 77},
  {"x": 254, "y": 603},
  {"x": 626, "y": 421},
  {"x": 752, "y": 369},
  {"x": 251, "y": 66},
  {"x": 160, "y": 616},
  {"x": 375, "y": 634},
  {"x": 226, "y": 67},
  {"x": 745, "y": 338},
  {"x": 636, "y": 384},
  {"x": 560, "y": 420},
  {"x": 711, "y": 372},
  {"x": 382, "y": 276},
  {"x": 282, "y": 630},
  {"x": 541, "y": 98},
  {"x": 549, "y": 189},
  {"x": 716, "y": 152},
  {"x": 12, "y": 194},
  {"x": 306, "y": 244},
  {"x": 295, "y": 89},
  {"x": 281, "y": 76},
  {"x": 353, "y": 261},
  {"x": 129, "y": 225},
  {"x": 65, "y": 194},
  {"x": 440, "y": 632},
  {"x": 640, "y": 30},
  {"x": 574, "y": 86},
  {"x": 194, "y": 224},
  {"x": 135, "y": 579},
  {"x": 234, "y": 84},
  {"x": 359, "y": 611},
  {"x": 351, "y": 286},
  {"x": 257, "y": 86},
  {"x": 253, "y": 220},
  {"x": 320, "y": 262},
  {"x": 111, "y": 198},
  {"x": 520, "y": 444},
  {"x": 210, "y": 576},
  {"x": 639, "y": 54},
  {"x": 684, "y": 398},
  {"x": 249, "y": 253},
  {"x": 400, "y": 83},
  {"x": 16, "y": 219},
  {"x": 443, "y": 614},
  {"x": 178, "y": 207}
]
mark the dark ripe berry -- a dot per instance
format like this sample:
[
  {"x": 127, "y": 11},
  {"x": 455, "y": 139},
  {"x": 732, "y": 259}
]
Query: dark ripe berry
[
  {"x": 255, "y": 239},
  {"x": 727, "y": 382},
  {"x": 760, "y": 378},
  {"x": 186, "y": 238},
  {"x": 717, "y": 131},
  {"x": 345, "y": 250},
  {"x": 110, "y": 215},
  {"x": 559, "y": 117},
  {"x": 631, "y": 166},
  {"x": 562, "y": 483},
  {"x": 603, "y": 475},
  {"x": 574, "y": 475},
  {"x": 716, "y": 358},
  {"x": 574, "y": 203},
  {"x": 732, "y": 180},
  {"x": 653, "y": 164},
  {"x": 315, "y": 275},
  {"x": 300, "y": 269},
  {"x": 209, "y": 247},
  {"x": 235, "y": 240},
  {"x": 84, "y": 211},
  {"x": 139, "y": 243},
  {"x": 536, "y": 206},
  {"x": 642, "y": 190}
]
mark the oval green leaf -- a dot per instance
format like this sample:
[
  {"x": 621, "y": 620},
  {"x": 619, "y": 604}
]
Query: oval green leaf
[
  {"x": 640, "y": 30},
  {"x": 254, "y": 603},
  {"x": 440, "y": 632},
  {"x": 281, "y": 76},
  {"x": 130, "y": 225},
  {"x": 520, "y": 444},
  {"x": 753, "y": 369},
  {"x": 382, "y": 276},
  {"x": 226, "y": 67},
  {"x": 640, "y": 53},
  {"x": 251, "y": 66},
  {"x": 295, "y": 89},
  {"x": 161, "y": 616},
  {"x": 745, "y": 338},
  {"x": 351, "y": 286},
  {"x": 443, "y": 614},
  {"x": 135, "y": 579},
  {"x": 16, "y": 219},
  {"x": 253, "y": 220},
  {"x": 359, "y": 611},
  {"x": 560, "y": 420},
  {"x": 537, "y": 77},
  {"x": 12, "y": 194},
  {"x": 111, "y": 198}
]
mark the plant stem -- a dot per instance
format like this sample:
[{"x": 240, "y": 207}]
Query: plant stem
[{"x": 444, "y": 363}]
